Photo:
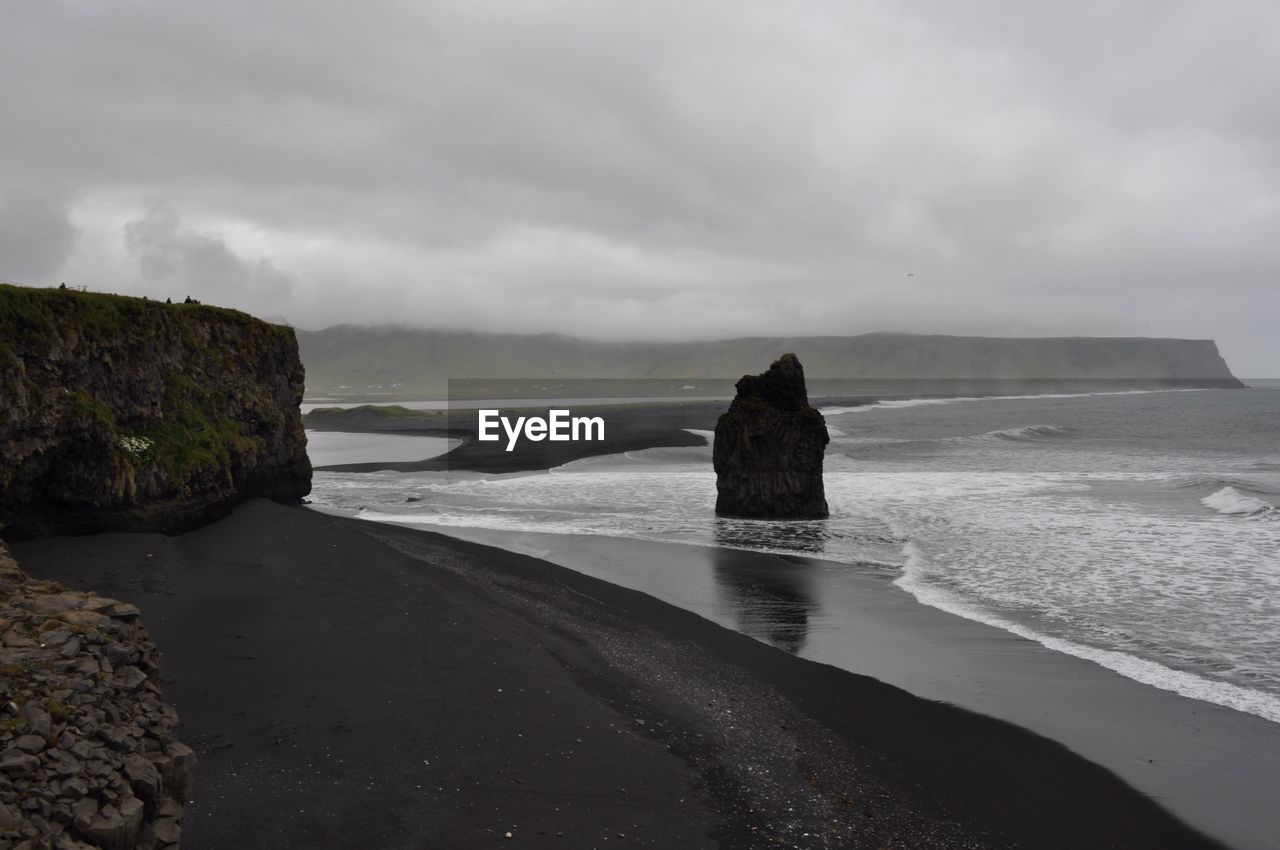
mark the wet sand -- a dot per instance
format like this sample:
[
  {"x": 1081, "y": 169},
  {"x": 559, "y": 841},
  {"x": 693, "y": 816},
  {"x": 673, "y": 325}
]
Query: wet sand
[
  {"x": 1212, "y": 766},
  {"x": 350, "y": 684}
]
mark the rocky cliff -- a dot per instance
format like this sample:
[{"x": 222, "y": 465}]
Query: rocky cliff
[
  {"x": 87, "y": 753},
  {"x": 126, "y": 414},
  {"x": 769, "y": 447}
]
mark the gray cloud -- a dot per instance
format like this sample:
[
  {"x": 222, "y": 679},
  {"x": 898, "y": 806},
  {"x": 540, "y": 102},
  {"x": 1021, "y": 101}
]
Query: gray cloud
[
  {"x": 167, "y": 255},
  {"x": 36, "y": 235},
  {"x": 672, "y": 169}
]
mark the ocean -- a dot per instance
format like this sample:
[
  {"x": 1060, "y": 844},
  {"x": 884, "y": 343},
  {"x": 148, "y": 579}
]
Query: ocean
[{"x": 1137, "y": 530}]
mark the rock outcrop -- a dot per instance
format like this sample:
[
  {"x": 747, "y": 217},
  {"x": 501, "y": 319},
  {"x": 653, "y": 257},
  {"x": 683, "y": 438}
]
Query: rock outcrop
[
  {"x": 126, "y": 414},
  {"x": 87, "y": 753},
  {"x": 769, "y": 447}
]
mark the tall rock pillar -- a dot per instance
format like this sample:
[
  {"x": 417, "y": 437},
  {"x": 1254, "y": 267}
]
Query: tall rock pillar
[{"x": 769, "y": 447}]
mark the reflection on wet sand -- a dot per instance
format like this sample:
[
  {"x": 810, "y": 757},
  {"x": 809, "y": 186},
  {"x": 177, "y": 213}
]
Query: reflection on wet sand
[{"x": 770, "y": 596}]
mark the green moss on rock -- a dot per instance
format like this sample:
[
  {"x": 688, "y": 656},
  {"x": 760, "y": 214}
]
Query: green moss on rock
[{"x": 125, "y": 413}]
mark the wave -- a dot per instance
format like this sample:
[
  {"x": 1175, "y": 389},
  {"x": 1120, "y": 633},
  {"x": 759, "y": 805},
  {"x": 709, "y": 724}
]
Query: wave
[
  {"x": 1029, "y": 433},
  {"x": 1146, "y": 671},
  {"x": 891, "y": 404},
  {"x": 1213, "y": 483},
  {"x": 709, "y": 436},
  {"x": 1025, "y": 434},
  {"x": 1231, "y": 502},
  {"x": 888, "y": 403},
  {"x": 898, "y": 508}
]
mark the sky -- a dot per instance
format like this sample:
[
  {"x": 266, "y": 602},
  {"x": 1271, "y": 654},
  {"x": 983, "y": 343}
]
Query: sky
[{"x": 666, "y": 169}]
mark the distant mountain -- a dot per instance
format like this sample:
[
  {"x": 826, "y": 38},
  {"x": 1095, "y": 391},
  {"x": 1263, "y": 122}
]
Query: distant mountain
[{"x": 352, "y": 359}]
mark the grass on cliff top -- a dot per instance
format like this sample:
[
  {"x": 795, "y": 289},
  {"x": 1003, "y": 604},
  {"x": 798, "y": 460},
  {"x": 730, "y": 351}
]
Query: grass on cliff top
[
  {"x": 195, "y": 437},
  {"x": 27, "y": 312},
  {"x": 36, "y": 322}
]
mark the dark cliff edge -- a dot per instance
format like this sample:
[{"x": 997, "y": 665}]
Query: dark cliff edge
[
  {"x": 123, "y": 414},
  {"x": 769, "y": 448}
]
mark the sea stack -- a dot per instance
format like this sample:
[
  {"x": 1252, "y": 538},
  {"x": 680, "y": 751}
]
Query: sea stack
[{"x": 769, "y": 447}]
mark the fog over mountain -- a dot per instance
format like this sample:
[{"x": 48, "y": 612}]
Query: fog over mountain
[
  {"x": 352, "y": 359},
  {"x": 658, "y": 171}
]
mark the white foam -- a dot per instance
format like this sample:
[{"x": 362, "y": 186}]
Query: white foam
[
  {"x": 709, "y": 436},
  {"x": 888, "y": 403},
  {"x": 1045, "y": 555},
  {"x": 1232, "y": 502},
  {"x": 893, "y": 404},
  {"x": 1142, "y": 670},
  {"x": 1029, "y": 432}
]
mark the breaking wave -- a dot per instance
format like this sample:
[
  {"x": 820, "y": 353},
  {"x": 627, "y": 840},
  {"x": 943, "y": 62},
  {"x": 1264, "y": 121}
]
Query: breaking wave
[
  {"x": 891, "y": 404},
  {"x": 1231, "y": 502},
  {"x": 1030, "y": 432}
]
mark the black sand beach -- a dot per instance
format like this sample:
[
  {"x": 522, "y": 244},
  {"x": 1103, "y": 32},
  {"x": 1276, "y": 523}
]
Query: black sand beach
[
  {"x": 348, "y": 684},
  {"x": 1207, "y": 763},
  {"x": 627, "y": 428}
]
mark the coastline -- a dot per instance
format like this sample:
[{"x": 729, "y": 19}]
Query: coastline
[
  {"x": 627, "y": 428},
  {"x": 636, "y": 426},
  {"x": 631, "y": 427},
  {"x": 301, "y": 651},
  {"x": 1206, "y": 763}
]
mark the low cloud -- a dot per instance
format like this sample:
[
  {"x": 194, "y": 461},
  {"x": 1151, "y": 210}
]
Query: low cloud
[
  {"x": 187, "y": 261},
  {"x": 36, "y": 234},
  {"x": 669, "y": 169}
]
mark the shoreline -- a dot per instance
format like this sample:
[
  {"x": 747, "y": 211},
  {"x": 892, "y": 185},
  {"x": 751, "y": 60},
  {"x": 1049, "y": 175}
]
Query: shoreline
[
  {"x": 627, "y": 428},
  {"x": 301, "y": 652},
  {"x": 1208, "y": 763},
  {"x": 630, "y": 427}
]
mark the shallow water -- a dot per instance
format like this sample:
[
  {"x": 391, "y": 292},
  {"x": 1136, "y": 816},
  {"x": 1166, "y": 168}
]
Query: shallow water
[{"x": 329, "y": 448}]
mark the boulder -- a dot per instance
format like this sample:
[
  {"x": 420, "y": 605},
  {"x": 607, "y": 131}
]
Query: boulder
[
  {"x": 769, "y": 448},
  {"x": 87, "y": 754}
]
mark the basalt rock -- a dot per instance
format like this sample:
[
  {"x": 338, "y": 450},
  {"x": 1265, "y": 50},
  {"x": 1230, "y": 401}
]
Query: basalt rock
[
  {"x": 124, "y": 414},
  {"x": 88, "y": 757},
  {"x": 769, "y": 447}
]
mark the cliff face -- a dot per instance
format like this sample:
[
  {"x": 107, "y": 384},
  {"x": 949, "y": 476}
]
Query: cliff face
[
  {"x": 124, "y": 414},
  {"x": 769, "y": 447}
]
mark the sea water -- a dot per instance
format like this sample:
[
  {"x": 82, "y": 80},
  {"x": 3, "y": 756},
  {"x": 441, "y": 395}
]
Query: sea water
[{"x": 1138, "y": 530}]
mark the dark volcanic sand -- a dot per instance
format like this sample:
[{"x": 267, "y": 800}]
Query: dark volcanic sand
[
  {"x": 627, "y": 428},
  {"x": 352, "y": 685}
]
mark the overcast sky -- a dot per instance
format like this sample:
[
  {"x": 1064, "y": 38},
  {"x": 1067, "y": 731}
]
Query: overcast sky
[{"x": 658, "y": 168}]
